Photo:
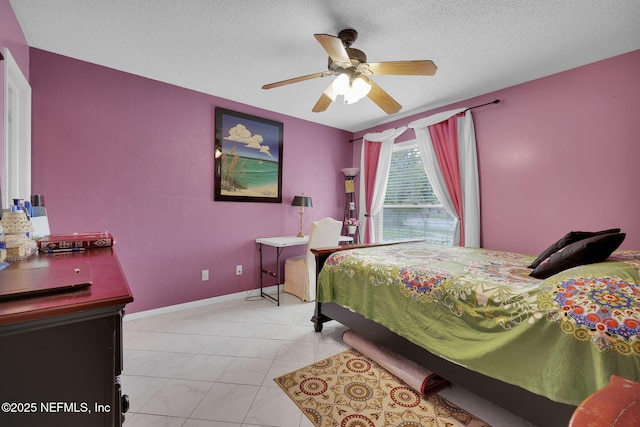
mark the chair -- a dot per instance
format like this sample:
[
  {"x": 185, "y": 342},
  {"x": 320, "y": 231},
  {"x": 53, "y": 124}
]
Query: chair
[{"x": 300, "y": 271}]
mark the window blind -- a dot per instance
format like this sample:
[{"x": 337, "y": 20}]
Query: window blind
[
  {"x": 411, "y": 207},
  {"x": 408, "y": 183}
]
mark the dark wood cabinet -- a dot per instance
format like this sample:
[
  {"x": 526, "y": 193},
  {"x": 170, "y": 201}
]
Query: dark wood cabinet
[{"x": 61, "y": 353}]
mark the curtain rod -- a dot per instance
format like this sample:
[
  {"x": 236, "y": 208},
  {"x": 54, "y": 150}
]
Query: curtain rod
[{"x": 496, "y": 101}]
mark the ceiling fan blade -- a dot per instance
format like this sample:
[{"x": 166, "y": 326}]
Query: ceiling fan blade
[
  {"x": 403, "y": 68},
  {"x": 382, "y": 98},
  {"x": 327, "y": 97},
  {"x": 322, "y": 104},
  {"x": 334, "y": 47},
  {"x": 297, "y": 79}
]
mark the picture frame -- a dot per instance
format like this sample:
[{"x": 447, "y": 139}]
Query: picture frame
[{"x": 248, "y": 158}]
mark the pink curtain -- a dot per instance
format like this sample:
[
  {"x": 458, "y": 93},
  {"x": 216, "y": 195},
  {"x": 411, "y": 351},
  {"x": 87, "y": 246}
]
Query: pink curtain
[
  {"x": 444, "y": 136},
  {"x": 371, "y": 158}
]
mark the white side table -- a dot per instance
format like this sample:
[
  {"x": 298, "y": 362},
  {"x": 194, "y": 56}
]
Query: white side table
[{"x": 279, "y": 243}]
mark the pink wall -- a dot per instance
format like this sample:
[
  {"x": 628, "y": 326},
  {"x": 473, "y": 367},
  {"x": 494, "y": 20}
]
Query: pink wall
[
  {"x": 11, "y": 37},
  {"x": 557, "y": 154},
  {"x": 118, "y": 152}
]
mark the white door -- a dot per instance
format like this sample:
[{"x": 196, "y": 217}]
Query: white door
[{"x": 16, "y": 183}]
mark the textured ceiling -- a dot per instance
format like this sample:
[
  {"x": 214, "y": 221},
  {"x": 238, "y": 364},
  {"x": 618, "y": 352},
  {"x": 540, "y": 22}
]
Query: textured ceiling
[{"x": 230, "y": 48}]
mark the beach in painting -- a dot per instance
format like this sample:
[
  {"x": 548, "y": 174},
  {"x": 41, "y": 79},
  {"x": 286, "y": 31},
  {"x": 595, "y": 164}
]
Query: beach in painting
[
  {"x": 254, "y": 178},
  {"x": 264, "y": 191}
]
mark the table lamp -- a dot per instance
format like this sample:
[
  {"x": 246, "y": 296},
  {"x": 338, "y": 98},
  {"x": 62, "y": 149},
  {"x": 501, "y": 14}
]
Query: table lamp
[{"x": 302, "y": 201}]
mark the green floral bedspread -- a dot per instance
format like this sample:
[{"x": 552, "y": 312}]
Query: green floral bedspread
[{"x": 562, "y": 337}]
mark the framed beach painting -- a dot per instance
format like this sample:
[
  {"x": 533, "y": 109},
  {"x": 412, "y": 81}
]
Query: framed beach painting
[{"x": 248, "y": 158}]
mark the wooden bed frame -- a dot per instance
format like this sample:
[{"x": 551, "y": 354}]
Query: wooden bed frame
[{"x": 534, "y": 408}]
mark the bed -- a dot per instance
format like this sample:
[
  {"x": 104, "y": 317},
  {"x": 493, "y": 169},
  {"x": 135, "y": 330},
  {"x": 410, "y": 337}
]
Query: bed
[{"x": 536, "y": 347}]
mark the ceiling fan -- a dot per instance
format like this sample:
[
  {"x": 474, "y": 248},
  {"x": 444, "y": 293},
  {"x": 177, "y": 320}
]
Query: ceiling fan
[{"x": 352, "y": 70}]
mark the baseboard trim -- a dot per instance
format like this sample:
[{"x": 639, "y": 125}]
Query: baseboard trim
[{"x": 199, "y": 303}]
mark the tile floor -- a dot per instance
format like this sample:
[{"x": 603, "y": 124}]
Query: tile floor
[{"x": 213, "y": 366}]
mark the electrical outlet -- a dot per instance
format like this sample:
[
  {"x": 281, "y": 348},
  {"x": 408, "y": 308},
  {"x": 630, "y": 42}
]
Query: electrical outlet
[
  {"x": 205, "y": 275},
  {"x": 238, "y": 270}
]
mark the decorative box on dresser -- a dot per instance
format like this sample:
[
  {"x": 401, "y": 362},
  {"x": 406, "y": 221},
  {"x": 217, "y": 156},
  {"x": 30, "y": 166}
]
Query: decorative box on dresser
[{"x": 61, "y": 350}]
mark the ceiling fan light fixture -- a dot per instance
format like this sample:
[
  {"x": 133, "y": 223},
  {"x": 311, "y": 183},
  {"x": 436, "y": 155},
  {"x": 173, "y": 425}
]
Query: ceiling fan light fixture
[
  {"x": 352, "y": 71},
  {"x": 341, "y": 84},
  {"x": 359, "y": 89}
]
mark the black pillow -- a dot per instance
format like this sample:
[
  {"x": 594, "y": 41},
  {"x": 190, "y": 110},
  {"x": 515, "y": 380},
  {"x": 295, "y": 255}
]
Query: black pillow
[
  {"x": 585, "y": 251},
  {"x": 568, "y": 239}
]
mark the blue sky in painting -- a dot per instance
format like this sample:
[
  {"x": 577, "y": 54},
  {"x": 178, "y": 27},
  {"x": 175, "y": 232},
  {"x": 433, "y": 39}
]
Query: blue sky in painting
[{"x": 252, "y": 139}]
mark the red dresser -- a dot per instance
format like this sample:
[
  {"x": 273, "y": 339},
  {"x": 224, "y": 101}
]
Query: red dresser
[{"x": 61, "y": 340}]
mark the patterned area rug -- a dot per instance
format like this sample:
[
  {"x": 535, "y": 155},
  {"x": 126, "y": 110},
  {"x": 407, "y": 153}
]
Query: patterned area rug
[{"x": 349, "y": 390}]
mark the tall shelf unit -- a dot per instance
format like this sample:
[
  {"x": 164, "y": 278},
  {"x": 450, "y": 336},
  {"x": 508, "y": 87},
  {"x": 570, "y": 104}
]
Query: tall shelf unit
[{"x": 350, "y": 205}]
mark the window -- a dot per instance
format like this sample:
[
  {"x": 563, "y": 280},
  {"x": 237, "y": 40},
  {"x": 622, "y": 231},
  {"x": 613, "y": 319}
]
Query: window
[{"x": 411, "y": 208}]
